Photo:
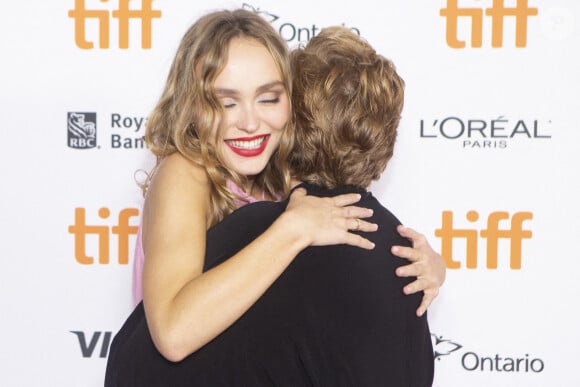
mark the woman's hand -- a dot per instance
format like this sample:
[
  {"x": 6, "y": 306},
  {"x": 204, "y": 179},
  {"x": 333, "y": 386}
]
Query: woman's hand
[
  {"x": 427, "y": 266},
  {"x": 327, "y": 220}
]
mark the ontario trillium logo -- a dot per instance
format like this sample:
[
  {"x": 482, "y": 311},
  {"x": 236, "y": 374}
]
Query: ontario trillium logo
[
  {"x": 443, "y": 347},
  {"x": 288, "y": 30},
  {"x": 491, "y": 362},
  {"x": 266, "y": 15}
]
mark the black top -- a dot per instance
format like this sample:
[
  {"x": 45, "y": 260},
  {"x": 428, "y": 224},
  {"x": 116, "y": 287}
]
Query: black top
[{"x": 336, "y": 317}]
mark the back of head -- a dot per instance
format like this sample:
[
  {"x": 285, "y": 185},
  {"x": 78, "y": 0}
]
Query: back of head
[{"x": 347, "y": 106}]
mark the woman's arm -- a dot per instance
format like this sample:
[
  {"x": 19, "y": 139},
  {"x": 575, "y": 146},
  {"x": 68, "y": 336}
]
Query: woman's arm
[
  {"x": 426, "y": 265},
  {"x": 186, "y": 308}
]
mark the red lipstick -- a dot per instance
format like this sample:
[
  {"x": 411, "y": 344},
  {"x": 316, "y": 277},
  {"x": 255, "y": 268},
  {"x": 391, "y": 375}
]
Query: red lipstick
[{"x": 248, "y": 146}]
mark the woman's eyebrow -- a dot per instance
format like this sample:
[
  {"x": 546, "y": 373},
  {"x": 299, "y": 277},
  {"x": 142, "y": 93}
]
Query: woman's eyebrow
[
  {"x": 225, "y": 92},
  {"x": 268, "y": 86}
]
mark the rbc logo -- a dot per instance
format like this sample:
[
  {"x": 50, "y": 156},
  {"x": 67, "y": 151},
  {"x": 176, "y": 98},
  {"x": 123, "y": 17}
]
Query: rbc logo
[
  {"x": 82, "y": 130},
  {"x": 515, "y": 234}
]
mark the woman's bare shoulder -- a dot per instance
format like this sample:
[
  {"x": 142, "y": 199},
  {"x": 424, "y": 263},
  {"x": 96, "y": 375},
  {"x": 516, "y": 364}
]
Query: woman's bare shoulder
[
  {"x": 177, "y": 171},
  {"x": 178, "y": 179}
]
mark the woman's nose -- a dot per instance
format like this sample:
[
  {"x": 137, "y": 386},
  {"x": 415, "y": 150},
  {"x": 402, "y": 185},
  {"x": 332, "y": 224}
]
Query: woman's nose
[{"x": 248, "y": 120}]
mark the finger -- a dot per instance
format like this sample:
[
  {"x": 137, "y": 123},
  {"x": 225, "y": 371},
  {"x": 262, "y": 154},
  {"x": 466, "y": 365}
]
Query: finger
[
  {"x": 346, "y": 199},
  {"x": 356, "y": 212},
  {"x": 353, "y": 224},
  {"x": 409, "y": 253},
  {"x": 365, "y": 226},
  {"x": 408, "y": 232},
  {"x": 428, "y": 297},
  {"x": 410, "y": 270},
  {"x": 357, "y": 224},
  {"x": 416, "y": 286},
  {"x": 358, "y": 241},
  {"x": 411, "y": 234},
  {"x": 425, "y": 302}
]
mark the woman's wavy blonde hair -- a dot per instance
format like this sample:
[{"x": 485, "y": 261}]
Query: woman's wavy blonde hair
[
  {"x": 183, "y": 118},
  {"x": 347, "y": 105}
]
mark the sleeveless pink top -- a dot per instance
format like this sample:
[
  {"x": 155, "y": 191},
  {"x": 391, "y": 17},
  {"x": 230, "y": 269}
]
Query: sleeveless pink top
[{"x": 139, "y": 256}]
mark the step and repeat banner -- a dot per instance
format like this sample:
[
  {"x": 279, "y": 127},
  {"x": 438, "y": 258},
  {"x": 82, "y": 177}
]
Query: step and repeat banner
[{"x": 486, "y": 166}]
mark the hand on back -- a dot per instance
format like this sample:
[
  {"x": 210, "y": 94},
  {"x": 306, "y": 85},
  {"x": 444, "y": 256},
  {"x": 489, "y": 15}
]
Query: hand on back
[{"x": 326, "y": 221}]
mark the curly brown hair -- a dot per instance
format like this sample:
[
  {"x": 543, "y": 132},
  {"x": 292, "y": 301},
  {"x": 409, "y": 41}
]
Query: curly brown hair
[
  {"x": 183, "y": 118},
  {"x": 347, "y": 102}
]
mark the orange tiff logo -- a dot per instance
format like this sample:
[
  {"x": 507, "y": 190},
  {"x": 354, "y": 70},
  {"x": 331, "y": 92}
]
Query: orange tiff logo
[
  {"x": 123, "y": 14},
  {"x": 492, "y": 234},
  {"x": 122, "y": 229},
  {"x": 497, "y": 12}
]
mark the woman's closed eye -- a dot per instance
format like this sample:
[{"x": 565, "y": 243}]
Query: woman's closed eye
[
  {"x": 270, "y": 98},
  {"x": 267, "y": 99},
  {"x": 228, "y": 103}
]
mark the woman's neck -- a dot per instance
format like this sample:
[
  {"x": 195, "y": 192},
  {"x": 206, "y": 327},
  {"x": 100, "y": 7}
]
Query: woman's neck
[
  {"x": 251, "y": 189},
  {"x": 294, "y": 182}
]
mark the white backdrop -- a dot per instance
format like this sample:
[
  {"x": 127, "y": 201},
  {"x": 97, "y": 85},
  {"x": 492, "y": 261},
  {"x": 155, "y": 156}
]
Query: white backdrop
[{"x": 487, "y": 128}]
